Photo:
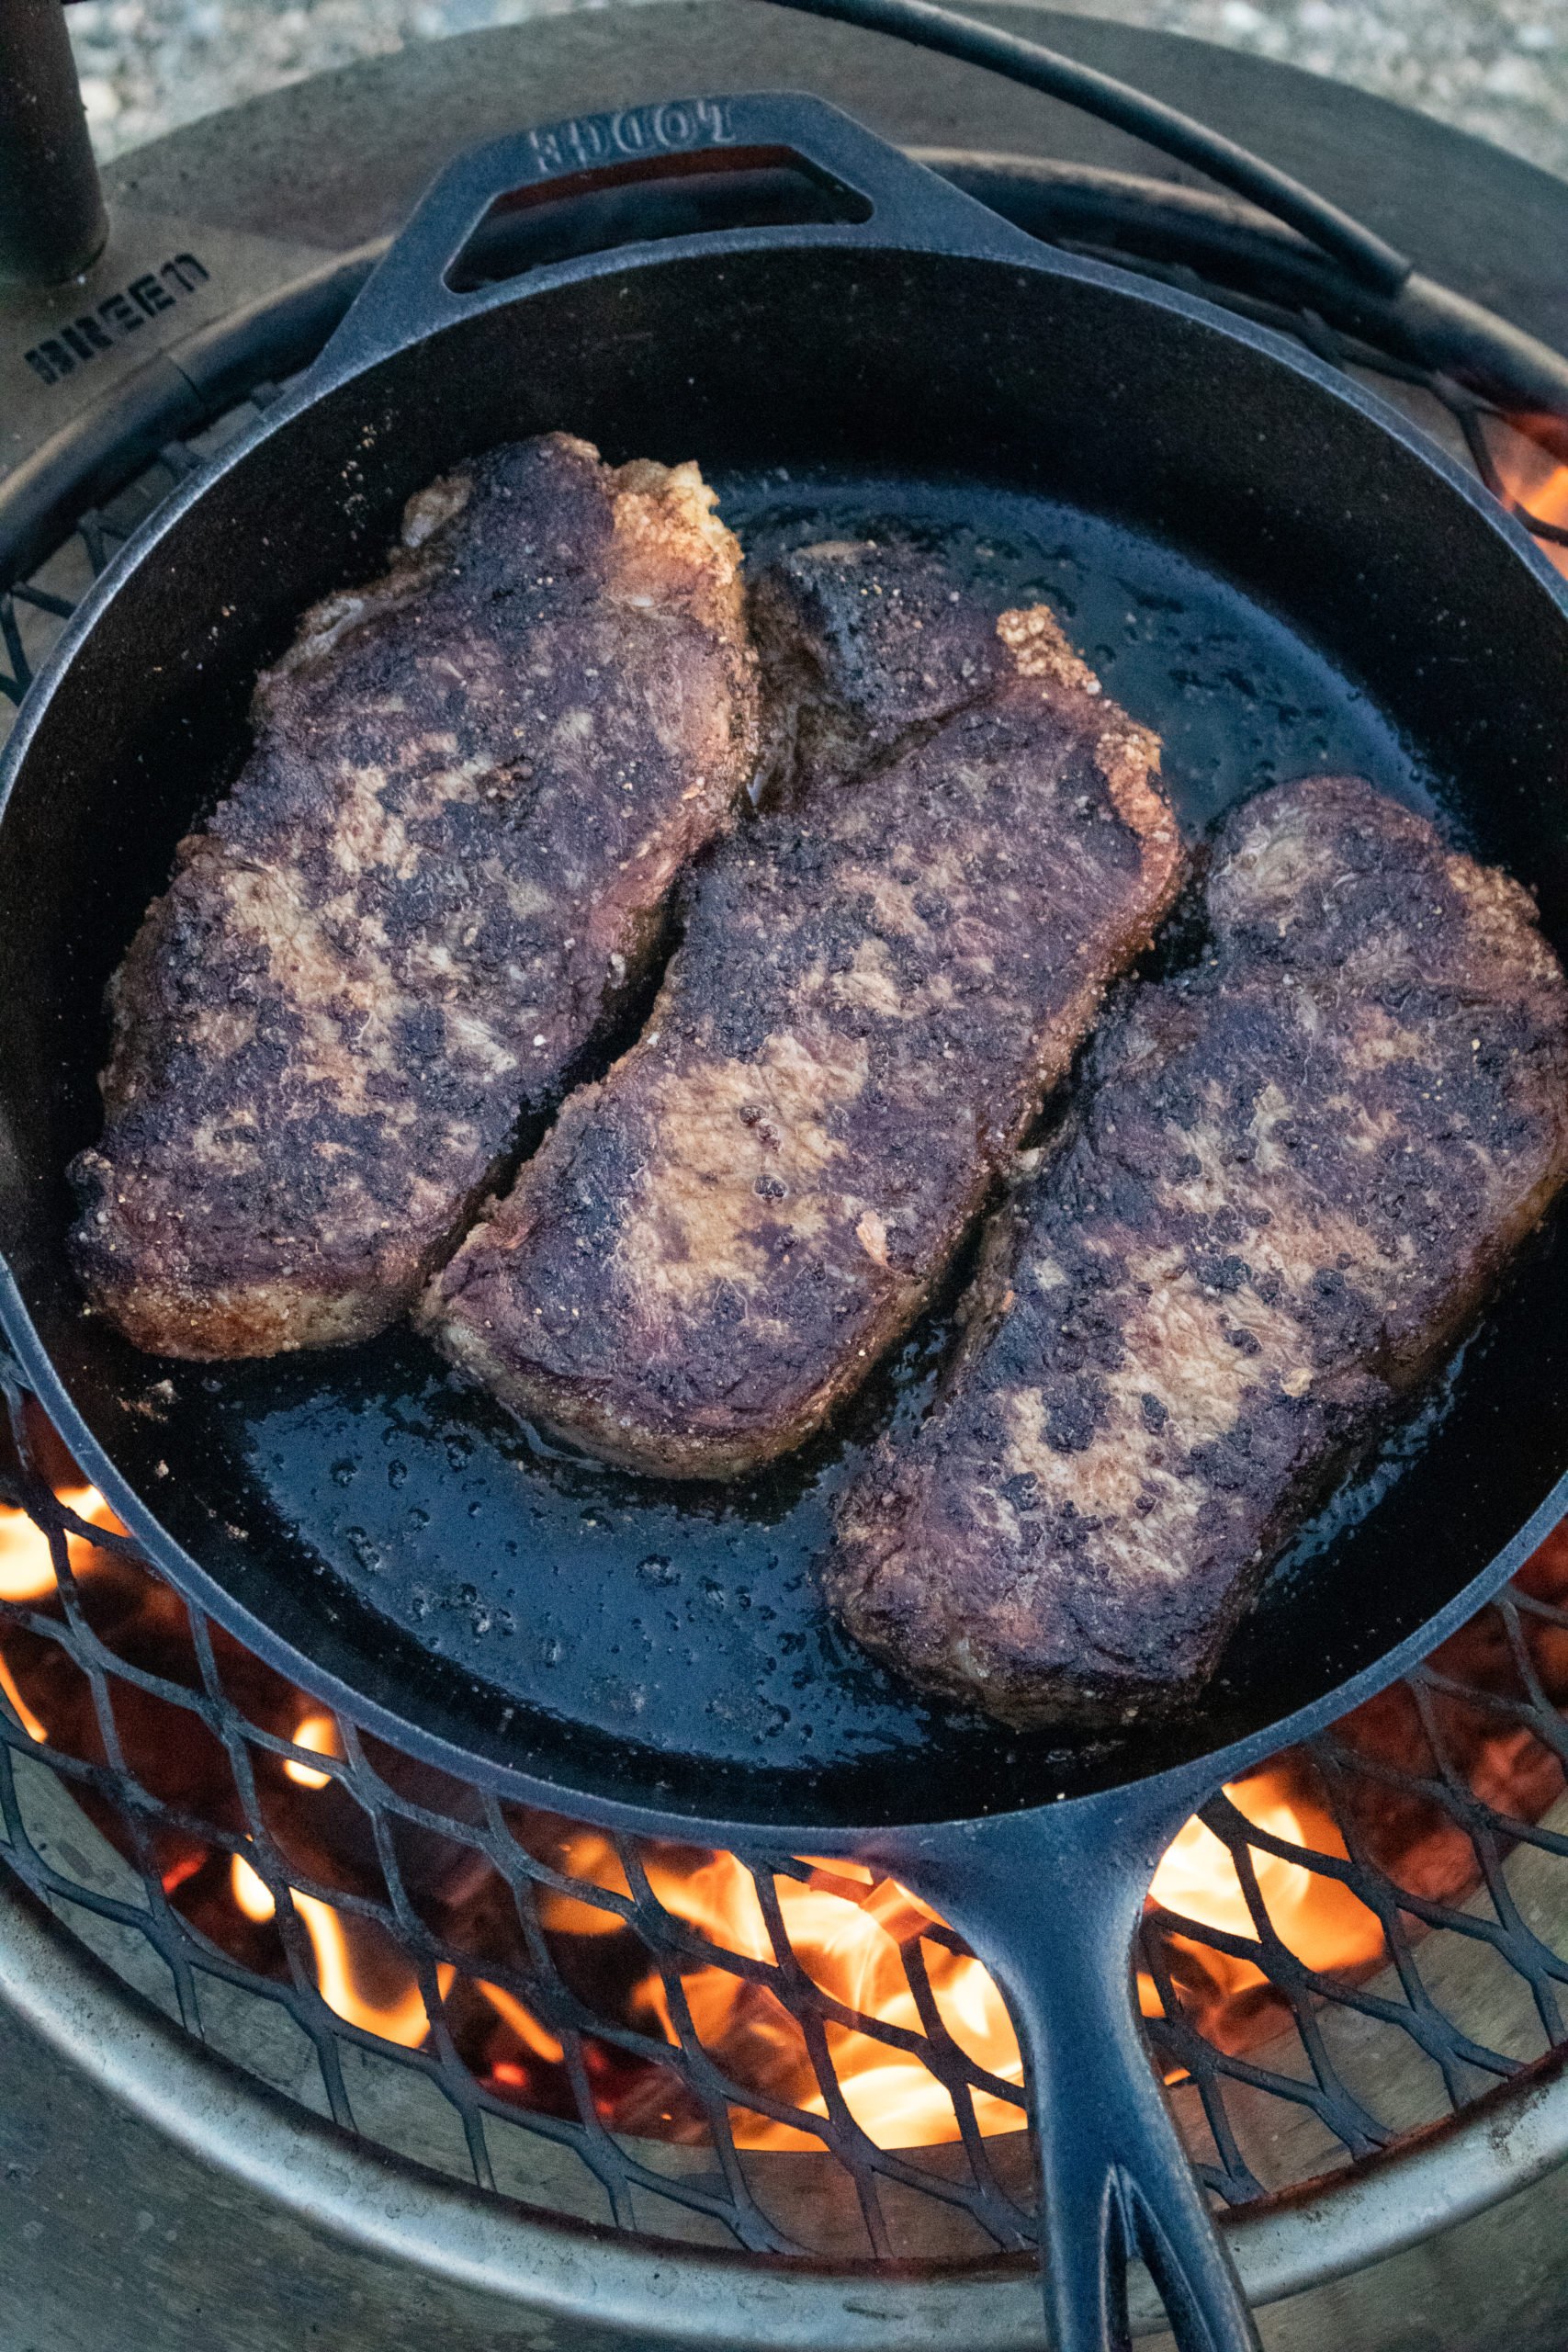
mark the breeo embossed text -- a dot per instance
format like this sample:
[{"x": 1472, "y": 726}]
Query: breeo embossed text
[
  {"x": 636, "y": 130},
  {"x": 81, "y": 340}
]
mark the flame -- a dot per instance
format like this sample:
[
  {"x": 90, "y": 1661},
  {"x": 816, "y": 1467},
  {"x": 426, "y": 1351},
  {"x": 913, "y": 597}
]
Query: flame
[
  {"x": 1319, "y": 1920},
  {"x": 20, "y": 1706},
  {"x": 524, "y": 2025},
  {"x": 319, "y": 1733},
  {"x": 26, "y": 1564},
  {"x": 1533, "y": 476},
  {"x": 849, "y": 1937},
  {"x": 27, "y": 1573},
  {"x": 855, "y": 1936},
  {"x": 849, "y": 1933},
  {"x": 251, "y": 1891},
  {"x": 592, "y": 1858},
  {"x": 404, "y": 2021}
]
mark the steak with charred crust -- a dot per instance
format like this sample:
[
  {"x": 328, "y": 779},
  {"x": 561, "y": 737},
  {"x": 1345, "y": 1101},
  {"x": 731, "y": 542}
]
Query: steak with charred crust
[
  {"x": 1293, "y": 1171},
  {"x": 442, "y": 869},
  {"x": 879, "y": 980},
  {"x": 862, "y": 645}
]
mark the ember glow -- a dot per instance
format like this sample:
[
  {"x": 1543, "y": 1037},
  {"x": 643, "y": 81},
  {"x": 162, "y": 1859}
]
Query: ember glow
[
  {"x": 1536, "y": 478},
  {"x": 1324, "y": 1924},
  {"x": 864, "y": 1942}
]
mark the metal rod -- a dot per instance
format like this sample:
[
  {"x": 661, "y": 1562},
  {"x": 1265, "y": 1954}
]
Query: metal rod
[
  {"x": 1422, "y": 322},
  {"x": 52, "y": 221},
  {"x": 1368, "y": 257}
]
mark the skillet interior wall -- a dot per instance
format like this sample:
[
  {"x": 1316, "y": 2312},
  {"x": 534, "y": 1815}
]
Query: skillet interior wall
[{"x": 1073, "y": 386}]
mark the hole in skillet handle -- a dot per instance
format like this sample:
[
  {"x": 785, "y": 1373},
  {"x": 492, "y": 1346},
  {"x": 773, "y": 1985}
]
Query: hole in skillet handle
[
  {"x": 746, "y": 166},
  {"x": 647, "y": 198}
]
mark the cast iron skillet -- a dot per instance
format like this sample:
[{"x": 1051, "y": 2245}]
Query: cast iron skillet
[{"x": 1264, "y": 562}]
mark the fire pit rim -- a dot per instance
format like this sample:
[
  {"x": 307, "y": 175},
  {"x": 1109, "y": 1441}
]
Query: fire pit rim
[{"x": 395, "y": 2208}]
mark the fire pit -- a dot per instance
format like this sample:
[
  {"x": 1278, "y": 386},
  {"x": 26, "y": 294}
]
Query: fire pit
[
  {"x": 619, "y": 1998},
  {"x": 769, "y": 2052},
  {"x": 764, "y": 2052}
]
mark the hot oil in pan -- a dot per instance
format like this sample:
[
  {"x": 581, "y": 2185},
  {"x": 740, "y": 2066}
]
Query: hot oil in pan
[
  {"x": 686, "y": 1618},
  {"x": 1238, "y": 699}
]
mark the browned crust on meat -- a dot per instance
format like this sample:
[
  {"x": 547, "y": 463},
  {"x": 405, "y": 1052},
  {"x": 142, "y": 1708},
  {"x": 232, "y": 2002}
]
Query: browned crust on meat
[
  {"x": 444, "y": 868},
  {"x": 878, "y": 982},
  {"x": 1294, "y": 1173},
  {"x": 862, "y": 645}
]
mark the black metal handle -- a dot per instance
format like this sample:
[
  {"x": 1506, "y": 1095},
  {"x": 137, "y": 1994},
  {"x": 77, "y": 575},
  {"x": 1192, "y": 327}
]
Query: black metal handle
[
  {"x": 1050, "y": 1900},
  {"x": 905, "y": 205},
  {"x": 1367, "y": 256}
]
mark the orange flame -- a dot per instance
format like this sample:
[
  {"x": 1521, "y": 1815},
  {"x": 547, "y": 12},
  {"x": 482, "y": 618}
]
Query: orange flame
[
  {"x": 854, "y": 1934},
  {"x": 20, "y": 1706},
  {"x": 524, "y": 2025},
  {"x": 27, "y": 1565},
  {"x": 850, "y": 1933},
  {"x": 593, "y": 1859},
  {"x": 27, "y": 1573},
  {"x": 404, "y": 2022},
  {"x": 1537, "y": 479},
  {"x": 850, "y": 1938},
  {"x": 1316, "y": 1918},
  {"x": 319, "y": 1733},
  {"x": 251, "y": 1891}
]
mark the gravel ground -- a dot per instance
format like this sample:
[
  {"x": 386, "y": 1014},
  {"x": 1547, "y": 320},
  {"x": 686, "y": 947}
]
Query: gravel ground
[{"x": 1498, "y": 67}]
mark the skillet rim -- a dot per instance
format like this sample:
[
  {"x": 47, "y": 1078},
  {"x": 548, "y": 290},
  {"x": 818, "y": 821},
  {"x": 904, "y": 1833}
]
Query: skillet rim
[{"x": 347, "y": 359}]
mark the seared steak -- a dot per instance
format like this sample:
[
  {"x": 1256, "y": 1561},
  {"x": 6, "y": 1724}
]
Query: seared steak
[
  {"x": 878, "y": 981},
  {"x": 443, "y": 868},
  {"x": 1293, "y": 1172},
  {"x": 862, "y": 644}
]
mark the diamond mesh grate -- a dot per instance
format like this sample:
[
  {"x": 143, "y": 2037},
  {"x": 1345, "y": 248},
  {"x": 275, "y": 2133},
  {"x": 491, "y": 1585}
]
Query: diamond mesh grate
[
  {"x": 638, "y": 2032},
  {"x": 758, "y": 2050},
  {"x": 652, "y": 2017},
  {"x": 1424, "y": 1860}
]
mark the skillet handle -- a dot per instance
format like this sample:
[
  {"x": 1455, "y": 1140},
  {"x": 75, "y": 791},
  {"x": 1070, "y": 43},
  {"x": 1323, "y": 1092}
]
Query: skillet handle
[
  {"x": 886, "y": 201},
  {"x": 1051, "y": 1901}
]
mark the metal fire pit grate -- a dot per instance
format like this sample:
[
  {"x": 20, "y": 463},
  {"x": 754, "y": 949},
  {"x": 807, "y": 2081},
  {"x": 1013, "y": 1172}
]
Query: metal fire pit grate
[{"x": 756, "y": 2050}]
